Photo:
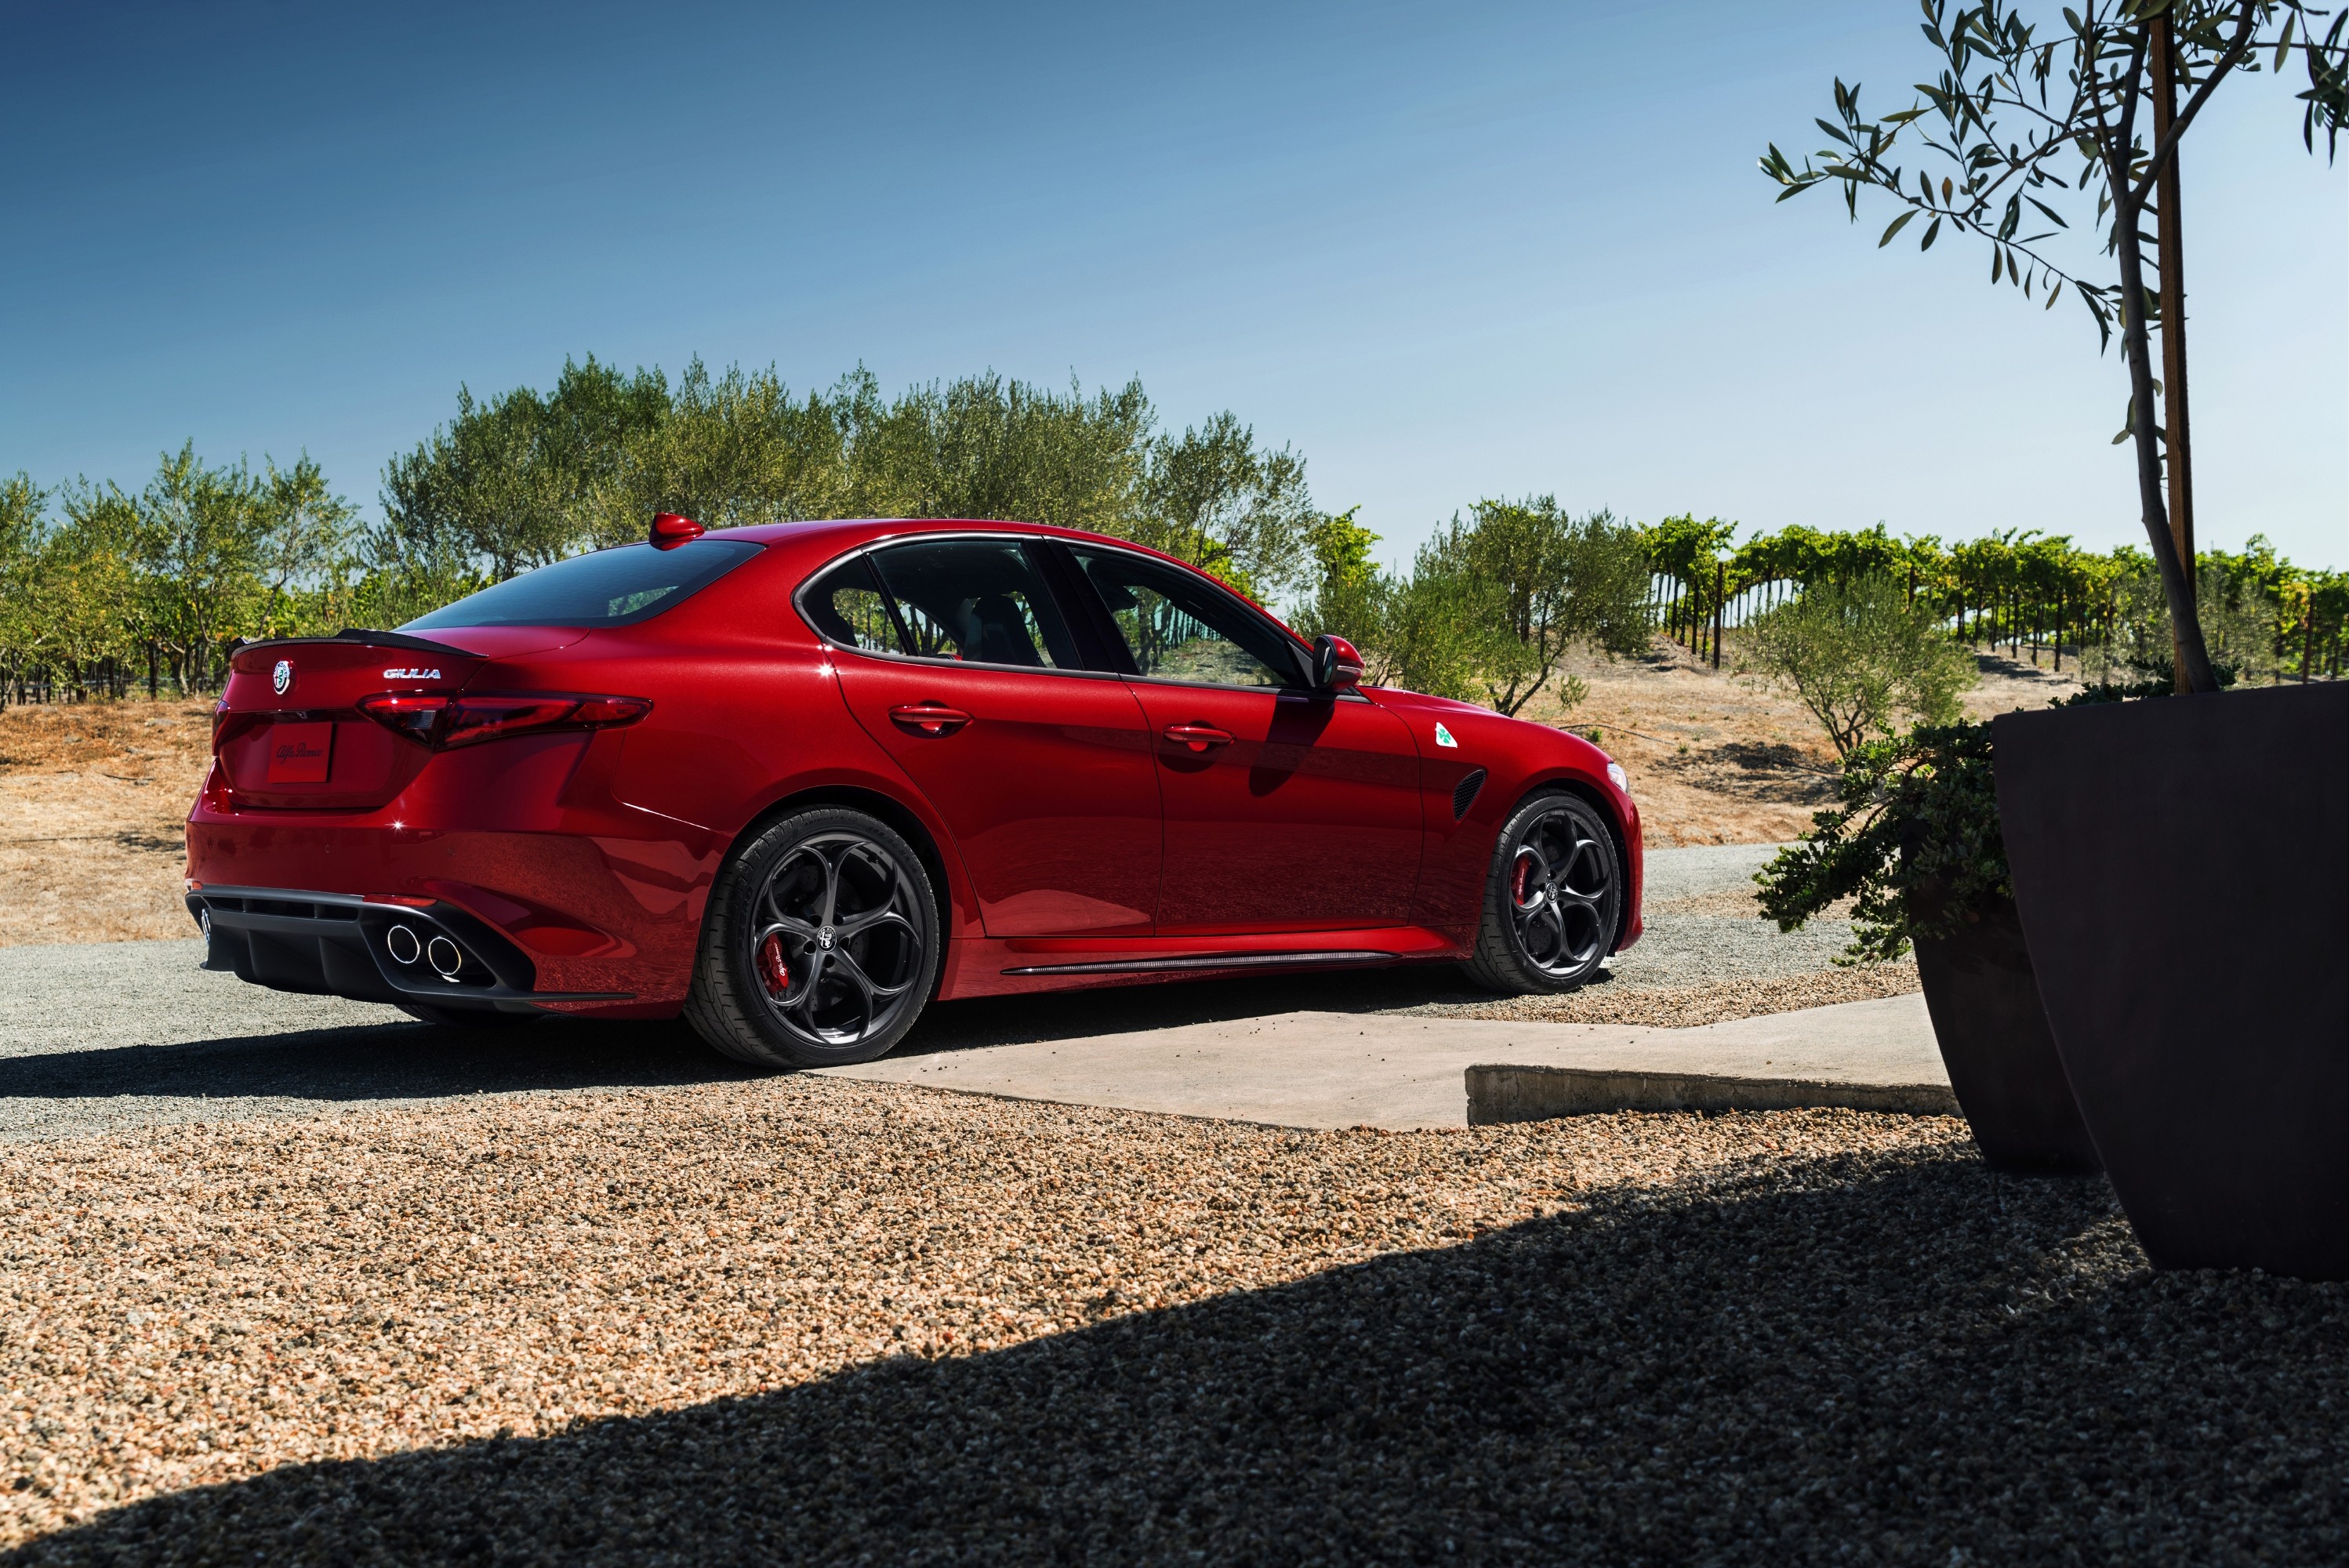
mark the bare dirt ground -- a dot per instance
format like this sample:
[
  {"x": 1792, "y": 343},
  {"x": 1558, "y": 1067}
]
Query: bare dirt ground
[
  {"x": 1718, "y": 757},
  {"x": 92, "y": 800}
]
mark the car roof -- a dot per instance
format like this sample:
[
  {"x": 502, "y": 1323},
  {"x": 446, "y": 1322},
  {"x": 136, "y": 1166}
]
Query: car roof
[{"x": 848, "y": 531}]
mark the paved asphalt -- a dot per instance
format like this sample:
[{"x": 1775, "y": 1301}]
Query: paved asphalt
[{"x": 129, "y": 1033}]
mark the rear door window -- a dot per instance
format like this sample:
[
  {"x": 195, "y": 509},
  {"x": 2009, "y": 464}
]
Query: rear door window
[
  {"x": 845, "y": 605},
  {"x": 982, "y": 601}
]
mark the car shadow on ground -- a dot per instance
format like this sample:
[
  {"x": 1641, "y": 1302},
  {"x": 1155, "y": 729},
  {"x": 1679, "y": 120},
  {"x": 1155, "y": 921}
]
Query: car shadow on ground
[
  {"x": 1126, "y": 1009},
  {"x": 383, "y": 1061},
  {"x": 412, "y": 1061},
  {"x": 1894, "y": 1357}
]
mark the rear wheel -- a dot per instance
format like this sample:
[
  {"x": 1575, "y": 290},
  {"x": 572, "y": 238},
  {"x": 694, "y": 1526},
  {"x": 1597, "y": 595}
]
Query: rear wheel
[
  {"x": 820, "y": 946},
  {"x": 1552, "y": 898}
]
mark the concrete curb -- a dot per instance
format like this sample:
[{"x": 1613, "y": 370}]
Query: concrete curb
[{"x": 1527, "y": 1093}]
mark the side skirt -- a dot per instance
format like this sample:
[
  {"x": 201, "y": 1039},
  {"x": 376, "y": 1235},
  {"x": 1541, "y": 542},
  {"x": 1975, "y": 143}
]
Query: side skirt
[{"x": 995, "y": 966}]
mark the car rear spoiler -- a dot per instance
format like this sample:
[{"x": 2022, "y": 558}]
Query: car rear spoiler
[{"x": 358, "y": 634}]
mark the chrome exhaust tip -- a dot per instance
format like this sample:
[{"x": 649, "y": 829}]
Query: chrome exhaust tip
[
  {"x": 404, "y": 944},
  {"x": 445, "y": 957}
]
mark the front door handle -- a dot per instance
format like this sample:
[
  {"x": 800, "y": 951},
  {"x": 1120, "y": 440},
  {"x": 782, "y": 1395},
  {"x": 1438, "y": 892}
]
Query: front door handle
[
  {"x": 1197, "y": 737},
  {"x": 932, "y": 718}
]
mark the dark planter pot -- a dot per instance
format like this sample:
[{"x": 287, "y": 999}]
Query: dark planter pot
[
  {"x": 2181, "y": 866},
  {"x": 1993, "y": 1035}
]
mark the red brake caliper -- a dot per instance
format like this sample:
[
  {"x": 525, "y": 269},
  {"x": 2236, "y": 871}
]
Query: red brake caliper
[{"x": 774, "y": 974}]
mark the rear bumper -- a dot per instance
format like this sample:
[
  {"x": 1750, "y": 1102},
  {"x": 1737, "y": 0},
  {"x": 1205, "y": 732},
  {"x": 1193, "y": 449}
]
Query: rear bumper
[{"x": 339, "y": 945}]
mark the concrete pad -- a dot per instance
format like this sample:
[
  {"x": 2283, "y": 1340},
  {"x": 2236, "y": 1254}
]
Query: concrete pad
[{"x": 1349, "y": 1069}]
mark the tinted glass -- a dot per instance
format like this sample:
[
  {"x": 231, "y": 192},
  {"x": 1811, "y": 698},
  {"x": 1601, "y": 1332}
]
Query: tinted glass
[
  {"x": 1180, "y": 629},
  {"x": 609, "y": 588},
  {"x": 976, "y": 599},
  {"x": 845, "y": 605}
]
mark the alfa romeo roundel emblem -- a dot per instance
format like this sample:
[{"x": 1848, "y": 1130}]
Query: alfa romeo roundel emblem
[{"x": 281, "y": 677}]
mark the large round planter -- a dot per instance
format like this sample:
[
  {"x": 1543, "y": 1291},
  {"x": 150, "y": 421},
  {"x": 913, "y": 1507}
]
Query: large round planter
[
  {"x": 2181, "y": 866},
  {"x": 1994, "y": 1040}
]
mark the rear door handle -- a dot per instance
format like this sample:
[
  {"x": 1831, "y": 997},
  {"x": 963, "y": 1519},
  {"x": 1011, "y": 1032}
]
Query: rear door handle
[
  {"x": 931, "y": 718},
  {"x": 1197, "y": 737}
]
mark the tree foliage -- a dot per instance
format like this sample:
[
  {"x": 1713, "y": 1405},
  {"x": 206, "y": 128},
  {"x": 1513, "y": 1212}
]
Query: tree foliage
[
  {"x": 2027, "y": 124},
  {"x": 1855, "y": 654},
  {"x": 1491, "y": 605}
]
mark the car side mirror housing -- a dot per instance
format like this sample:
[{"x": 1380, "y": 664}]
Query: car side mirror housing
[{"x": 1336, "y": 665}]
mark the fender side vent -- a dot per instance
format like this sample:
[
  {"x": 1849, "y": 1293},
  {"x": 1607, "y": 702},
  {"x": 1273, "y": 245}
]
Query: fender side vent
[{"x": 1463, "y": 794}]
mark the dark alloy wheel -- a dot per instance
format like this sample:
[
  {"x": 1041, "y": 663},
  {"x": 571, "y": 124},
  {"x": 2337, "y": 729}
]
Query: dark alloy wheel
[
  {"x": 820, "y": 945},
  {"x": 1553, "y": 901}
]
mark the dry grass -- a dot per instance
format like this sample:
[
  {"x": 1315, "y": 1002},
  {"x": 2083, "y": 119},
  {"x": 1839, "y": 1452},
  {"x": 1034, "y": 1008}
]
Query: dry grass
[{"x": 92, "y": 800}]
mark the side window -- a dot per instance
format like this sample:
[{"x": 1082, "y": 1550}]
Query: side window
[
  {"x": 976, "y": 599},
  {"x": 845, "y": 605},
  {"x": 1179, "y": 629}
]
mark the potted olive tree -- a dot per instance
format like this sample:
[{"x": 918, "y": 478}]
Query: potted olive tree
[
  {"x": 2181, "y": 867},
  {"x": 1914, "y": 842}
]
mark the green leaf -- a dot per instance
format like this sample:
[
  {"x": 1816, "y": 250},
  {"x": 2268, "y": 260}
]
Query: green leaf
[
  {"x": 1898, "y": 224},
  {"x": 1932, "y": 231}
]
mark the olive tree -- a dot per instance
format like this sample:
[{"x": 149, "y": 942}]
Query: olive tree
[
  {"x": 1858, "y": 653},
  {"x": 2017, "y": 106}
]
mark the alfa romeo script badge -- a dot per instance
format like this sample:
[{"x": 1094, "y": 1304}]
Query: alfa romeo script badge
[{"x": 282, "y": 678}]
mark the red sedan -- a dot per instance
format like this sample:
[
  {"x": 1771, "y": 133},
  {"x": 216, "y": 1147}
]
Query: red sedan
[{"x": 795, "y": 780}]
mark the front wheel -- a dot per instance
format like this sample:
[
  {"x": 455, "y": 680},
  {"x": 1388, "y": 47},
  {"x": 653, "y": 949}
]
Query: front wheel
[
  {"x": 1552, "y": 898},
  {"x": 820, "y": 946}
]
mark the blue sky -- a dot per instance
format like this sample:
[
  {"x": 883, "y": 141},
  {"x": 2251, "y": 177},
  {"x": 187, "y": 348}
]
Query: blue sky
[{"x": 1446, "y": 250}]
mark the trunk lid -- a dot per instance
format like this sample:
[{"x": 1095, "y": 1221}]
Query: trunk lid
[{"x": 289, "y": 733}]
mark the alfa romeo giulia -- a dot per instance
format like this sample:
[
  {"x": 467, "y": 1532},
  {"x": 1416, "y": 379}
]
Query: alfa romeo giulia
[{"x": 798, "y": 781}]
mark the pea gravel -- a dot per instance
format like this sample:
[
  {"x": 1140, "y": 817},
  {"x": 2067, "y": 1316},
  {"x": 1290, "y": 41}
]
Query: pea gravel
[{"x": 817, "y": 1320}]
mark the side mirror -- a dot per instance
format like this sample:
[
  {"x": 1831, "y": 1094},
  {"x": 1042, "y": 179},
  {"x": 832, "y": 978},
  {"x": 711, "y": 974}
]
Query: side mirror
[{"x": 1336, "y": 665}]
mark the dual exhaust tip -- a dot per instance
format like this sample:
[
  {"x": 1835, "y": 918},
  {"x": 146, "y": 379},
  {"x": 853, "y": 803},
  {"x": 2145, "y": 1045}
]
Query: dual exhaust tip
[{"x": 406, "y": 947}]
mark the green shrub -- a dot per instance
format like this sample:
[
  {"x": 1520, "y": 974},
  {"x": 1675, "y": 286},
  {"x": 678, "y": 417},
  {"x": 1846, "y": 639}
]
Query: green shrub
[
  {"x": 1914, "y": 837},
  {"x": 1858, "y": 652}
]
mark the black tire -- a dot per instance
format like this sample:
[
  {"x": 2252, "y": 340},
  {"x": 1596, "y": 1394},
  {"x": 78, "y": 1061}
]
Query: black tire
[
  {"x": 465, "y": 1018},
  {"x": 820, "y": 946},
  {"x": 1552, "y": 898}
]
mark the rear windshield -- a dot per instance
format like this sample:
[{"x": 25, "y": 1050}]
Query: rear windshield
[{"x": 609, "y": 588}]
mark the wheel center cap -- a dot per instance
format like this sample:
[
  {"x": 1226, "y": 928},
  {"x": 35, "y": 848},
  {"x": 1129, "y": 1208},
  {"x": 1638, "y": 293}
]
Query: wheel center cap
[{"x": 823, "y": 939}]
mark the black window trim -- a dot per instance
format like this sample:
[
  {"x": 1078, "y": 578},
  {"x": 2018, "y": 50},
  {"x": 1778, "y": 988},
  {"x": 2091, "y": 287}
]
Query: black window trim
[{"x": 1049, "y": 570}]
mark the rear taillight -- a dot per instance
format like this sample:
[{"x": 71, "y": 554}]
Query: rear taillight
[{"x": 442, "y": 722}]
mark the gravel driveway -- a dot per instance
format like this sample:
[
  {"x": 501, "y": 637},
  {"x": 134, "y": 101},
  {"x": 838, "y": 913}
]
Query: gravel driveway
[
  {"x": 817, "y": 1320},
  {"x": 297, "y": 1281}
]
